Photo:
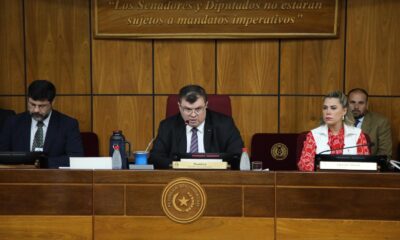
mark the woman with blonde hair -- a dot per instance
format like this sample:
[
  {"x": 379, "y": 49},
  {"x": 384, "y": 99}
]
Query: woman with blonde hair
[{"x": 335, "y": 133}]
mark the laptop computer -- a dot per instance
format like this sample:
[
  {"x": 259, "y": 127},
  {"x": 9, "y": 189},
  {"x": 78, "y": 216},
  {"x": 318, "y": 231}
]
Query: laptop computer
[{"x": 39, "y": 159}]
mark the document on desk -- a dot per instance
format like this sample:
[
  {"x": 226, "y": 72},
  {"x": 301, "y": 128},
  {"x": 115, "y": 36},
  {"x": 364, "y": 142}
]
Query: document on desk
[{"x": 90, "y": 162}]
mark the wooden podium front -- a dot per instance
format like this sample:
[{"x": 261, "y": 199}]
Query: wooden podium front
[
  {"x": 71, "y": 204},
  {"x": 127, "y": 205}
]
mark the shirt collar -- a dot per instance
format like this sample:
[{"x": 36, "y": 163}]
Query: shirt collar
[
  {"x": 361, "y": 119},
  {"x": 341, "y": 132},
  {"x": 200, "y": 128},
  {"x": 45, "y": 122}
]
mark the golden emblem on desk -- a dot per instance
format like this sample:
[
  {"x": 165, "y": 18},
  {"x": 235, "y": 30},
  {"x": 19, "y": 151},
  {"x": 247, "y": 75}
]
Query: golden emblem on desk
[
  {"x": 183, "y": 200},
  {"x": 279, "y": 151}
]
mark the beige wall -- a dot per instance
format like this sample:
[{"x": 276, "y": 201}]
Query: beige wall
[{"x": 275, "y": 85}]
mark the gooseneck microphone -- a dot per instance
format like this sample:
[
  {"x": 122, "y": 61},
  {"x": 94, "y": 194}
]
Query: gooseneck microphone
[{"x": 371, "y": 144}]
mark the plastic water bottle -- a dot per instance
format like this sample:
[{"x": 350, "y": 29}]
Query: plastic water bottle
[
  {"x": 244, "y": 160},
  {"x": 116, "y": 158}
]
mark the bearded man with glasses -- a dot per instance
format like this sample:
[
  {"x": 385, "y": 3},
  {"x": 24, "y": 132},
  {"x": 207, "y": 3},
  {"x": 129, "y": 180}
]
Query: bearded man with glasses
[
  {"x": 43, "y": 129},
  {"x": 195, "y": 129}
]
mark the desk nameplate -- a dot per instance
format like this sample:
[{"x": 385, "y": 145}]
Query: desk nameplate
[
  {"x": 199, "y": 164},
  {"x": 357, "y": 166}
]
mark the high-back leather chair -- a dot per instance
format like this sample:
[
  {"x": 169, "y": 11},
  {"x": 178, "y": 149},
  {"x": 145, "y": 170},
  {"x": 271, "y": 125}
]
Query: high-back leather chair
[
  {"x": 217, "y": 103},
  {"x": 90, "y": 143},
  {"x": 300, "y": 143},
  {"x": 277, "y": 151}
]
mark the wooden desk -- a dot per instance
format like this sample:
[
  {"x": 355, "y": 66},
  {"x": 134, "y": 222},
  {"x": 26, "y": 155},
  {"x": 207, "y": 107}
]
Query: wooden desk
[
  {"x": 69, "y": 204},
  {"x": 337, "y": 206}
]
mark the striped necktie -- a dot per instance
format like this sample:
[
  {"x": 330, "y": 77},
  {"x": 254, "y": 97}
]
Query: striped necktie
[
  {"x": 38, "y": 139},
  {"x": 194, "y": 146}
]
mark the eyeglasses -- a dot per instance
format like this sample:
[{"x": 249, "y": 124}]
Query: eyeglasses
[{"x": 189, "y": 111}]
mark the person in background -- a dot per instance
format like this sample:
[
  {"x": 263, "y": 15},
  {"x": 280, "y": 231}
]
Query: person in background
[
  {"x": 376, "y": 126},
  {"x": 195, "y": 129},
  {"x": 336, "y": 132},
  {"x": 4, "y": 114},
  {"x": 43, "y": 129}
]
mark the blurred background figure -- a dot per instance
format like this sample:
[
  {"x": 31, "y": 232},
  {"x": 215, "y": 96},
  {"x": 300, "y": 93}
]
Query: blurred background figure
[{"x": 376, "y": 126}]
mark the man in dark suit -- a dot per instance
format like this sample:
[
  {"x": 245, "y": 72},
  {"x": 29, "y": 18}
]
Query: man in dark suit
[
  {"x": 42, "y": 129},
  {"x": 195, "y": 129},
  {"x": 375, "y": 125},
  {"x": 4, "y": 114}
]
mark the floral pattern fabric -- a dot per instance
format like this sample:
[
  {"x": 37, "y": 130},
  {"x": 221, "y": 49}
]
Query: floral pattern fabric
[{"x": 307, "y": 158}]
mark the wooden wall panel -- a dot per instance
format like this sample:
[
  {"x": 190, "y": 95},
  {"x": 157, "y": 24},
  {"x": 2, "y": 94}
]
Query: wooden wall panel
[
  {"x": 122, "y": 67},
  {"x": 178, "y": 63},
  {"x": 17, "y": 104},
  {"x": 46, "y": 227},
  {"x": 160, "y": 111},
  {"x": 254, "y": 115},
  {"x": 78, "y": 107},
  {"x": 131, "y": 114},
  {"x": 313, "y": 66},
  {"x": 58, "y": 43},
  {"x": 12, "y": 69},
  {"x": 247, "y": 67},
  {"x": 309, "y": 229},
  {"x": 300, "y": 114},
  {"x": 162, "y": 228},
  {"x": 373, "y": 43}
]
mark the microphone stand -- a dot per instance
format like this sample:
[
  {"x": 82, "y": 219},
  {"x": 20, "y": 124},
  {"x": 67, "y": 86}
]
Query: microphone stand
[{"x": 337, "y": 149}]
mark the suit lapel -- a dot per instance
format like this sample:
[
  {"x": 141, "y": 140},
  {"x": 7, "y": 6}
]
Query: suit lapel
[
  {"x": 26, "y": 132},
  {"x": 366, "y": 125},
  {"x": 180, "y": 129},
  {"x": 51, "y": 131},
  {"x": 208, "y": 128}
]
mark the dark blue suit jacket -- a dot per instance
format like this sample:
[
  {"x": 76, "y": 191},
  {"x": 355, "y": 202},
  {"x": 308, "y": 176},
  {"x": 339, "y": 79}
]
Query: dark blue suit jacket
[
  {"x": 220, "y": 136},
  {"x": 63, "y": 139},
  {"x": 4, "y": 114}
]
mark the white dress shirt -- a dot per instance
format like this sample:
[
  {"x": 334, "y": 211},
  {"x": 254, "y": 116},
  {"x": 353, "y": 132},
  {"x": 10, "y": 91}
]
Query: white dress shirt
[
  {"x": 360, "y": 123},
  {"x": 200, "y": 137},
  {"x": 34, "y": 128}
]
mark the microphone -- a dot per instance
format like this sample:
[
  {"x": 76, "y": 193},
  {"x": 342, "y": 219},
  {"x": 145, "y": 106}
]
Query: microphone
[
  {"x": 371, "y": 144},
  {"x": 187, "y": 122}
]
